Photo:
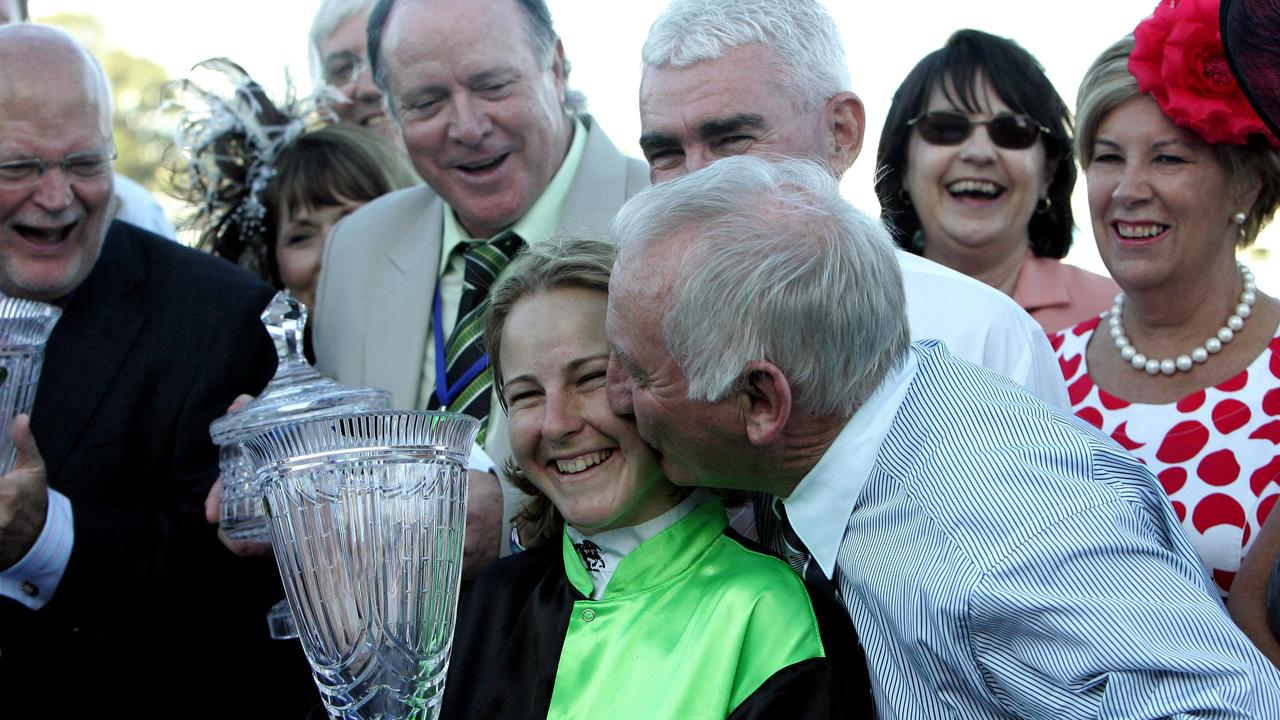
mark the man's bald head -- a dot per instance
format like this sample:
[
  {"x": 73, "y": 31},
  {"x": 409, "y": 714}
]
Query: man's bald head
[{"x": 35, "y": 59}]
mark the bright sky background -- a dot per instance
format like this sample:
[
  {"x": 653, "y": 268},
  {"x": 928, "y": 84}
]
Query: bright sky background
[{"x": 602, "y": 38}]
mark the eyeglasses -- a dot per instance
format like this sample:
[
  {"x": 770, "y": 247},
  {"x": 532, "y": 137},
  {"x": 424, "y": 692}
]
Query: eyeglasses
[
  {"x": 342, "y": 68},
  {"x": 1006, "y": 130},
  {"x": 20, "y": 174}
]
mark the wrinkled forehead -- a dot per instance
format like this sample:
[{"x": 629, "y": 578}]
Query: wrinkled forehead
[{"x": 52, "y": 88}]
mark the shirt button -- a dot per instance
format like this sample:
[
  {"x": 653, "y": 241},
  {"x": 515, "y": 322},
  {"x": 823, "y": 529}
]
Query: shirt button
[
  {"x": 588, "y": 615},
  {"x": 30, "y": 588}
]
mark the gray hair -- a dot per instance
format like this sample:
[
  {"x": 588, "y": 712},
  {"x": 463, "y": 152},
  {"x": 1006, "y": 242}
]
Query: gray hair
[
  {"x": 783, "y": 269},
  {"x": 802, "y": 35},
  {"x": 329, "y": 16},
  {"x": 542, "y": 33}
]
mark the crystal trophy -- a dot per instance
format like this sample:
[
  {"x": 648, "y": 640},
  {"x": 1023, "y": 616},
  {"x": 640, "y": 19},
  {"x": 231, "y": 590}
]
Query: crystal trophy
[
  {"x": 25, "y": 326},
  {"x": 367, "y": 514},
  {"x": 297, "y": 392}
]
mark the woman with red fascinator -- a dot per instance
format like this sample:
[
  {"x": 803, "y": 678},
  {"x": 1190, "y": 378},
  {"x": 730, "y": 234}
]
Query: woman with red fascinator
[{"x": 1184, "y": 369}]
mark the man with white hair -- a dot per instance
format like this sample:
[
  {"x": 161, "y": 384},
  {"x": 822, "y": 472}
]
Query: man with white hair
[
  {"x": 768, "y": 77},
  {"x": 113, "y": 590},
  {"x": 998, "y": 559},
  {"x": 340, "y": 66}
]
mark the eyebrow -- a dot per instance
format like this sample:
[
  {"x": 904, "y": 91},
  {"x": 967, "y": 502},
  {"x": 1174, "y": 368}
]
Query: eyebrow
[
  {"x": 714, "y": 127},
  {"x": 573, "y": 365},
  {"x": 1157, "y": 145},
  {"x": 733, "y": 123}
]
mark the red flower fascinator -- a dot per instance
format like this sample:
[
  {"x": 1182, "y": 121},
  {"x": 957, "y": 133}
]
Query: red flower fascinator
[{"x": 1178, "y": 58}]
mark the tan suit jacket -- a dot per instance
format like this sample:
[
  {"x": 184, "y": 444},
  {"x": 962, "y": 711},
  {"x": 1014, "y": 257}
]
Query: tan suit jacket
[{"x": 373, "y": 305}]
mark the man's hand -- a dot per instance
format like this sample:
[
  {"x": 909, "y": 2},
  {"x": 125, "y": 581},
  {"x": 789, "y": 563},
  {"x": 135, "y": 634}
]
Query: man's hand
[
  {"x": 484, "y": 521},
  {"x": 213, "y": 513},
  {"x": 24, "y": 496},
  {"x": 213, "y": 507}
]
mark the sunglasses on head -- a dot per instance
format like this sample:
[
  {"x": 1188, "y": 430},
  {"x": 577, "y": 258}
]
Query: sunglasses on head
[{"x": 1006, "y": 130}]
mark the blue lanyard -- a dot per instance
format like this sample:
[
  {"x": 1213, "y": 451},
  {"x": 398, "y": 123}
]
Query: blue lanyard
[{"x": 445, "y": 391}]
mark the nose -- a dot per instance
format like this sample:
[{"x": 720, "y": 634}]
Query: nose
[
  {"x": 364, "y": 89},
  {"x": 53, "y": 191},
  {"x": 618, "y": 389},
  {"x": 469, "y": 124},
  {"x": 978, "y": 148},
  {"x": 1132, "y": 186},
  {"x": 561, "y": 416}
]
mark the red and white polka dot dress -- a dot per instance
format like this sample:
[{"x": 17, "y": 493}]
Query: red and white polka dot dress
[{"x": 1214, "y": 451}]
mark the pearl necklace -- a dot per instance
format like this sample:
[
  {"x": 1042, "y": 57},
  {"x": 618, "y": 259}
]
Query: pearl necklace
[{"x": 1184, "y": 363}]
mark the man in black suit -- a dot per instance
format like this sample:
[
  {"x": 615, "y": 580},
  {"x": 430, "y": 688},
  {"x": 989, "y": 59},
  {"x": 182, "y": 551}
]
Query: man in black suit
[{"x": 113, "y": 589}]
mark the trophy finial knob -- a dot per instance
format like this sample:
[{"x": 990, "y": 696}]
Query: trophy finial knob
[{"x": 286, "y": 319}]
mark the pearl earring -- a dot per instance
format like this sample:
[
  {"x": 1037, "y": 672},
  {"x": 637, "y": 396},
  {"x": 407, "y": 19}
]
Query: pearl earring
[{"x": 1239, "y": 218}]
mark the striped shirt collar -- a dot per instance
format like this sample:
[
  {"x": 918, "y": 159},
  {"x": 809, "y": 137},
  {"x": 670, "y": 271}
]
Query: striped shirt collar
[{"x": 821, "y": 504}]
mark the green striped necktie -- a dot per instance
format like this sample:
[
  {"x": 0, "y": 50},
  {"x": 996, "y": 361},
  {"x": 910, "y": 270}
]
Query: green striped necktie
[{"x": 484, "y": 263}]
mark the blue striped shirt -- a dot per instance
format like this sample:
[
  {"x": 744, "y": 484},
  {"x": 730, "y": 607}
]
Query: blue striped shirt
[{"x": 1001, "y": 560}]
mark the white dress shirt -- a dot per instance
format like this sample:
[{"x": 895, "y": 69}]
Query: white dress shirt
[{"x": 982, "y": 325}]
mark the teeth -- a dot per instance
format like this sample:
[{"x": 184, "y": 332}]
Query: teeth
[
  {"x": 482, "y": 165},
  {"x": 978, "y": 187},
  {"x": 1128, "y": 230},
  {"x": 582, "y": 462}
]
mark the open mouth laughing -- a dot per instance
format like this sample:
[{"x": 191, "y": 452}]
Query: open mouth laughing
[{"x": 974, "y": 189}]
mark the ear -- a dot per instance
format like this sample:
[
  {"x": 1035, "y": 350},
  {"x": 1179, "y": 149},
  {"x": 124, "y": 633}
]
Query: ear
[
  {"x": 1246, "y": 193},
  {"x": 845, "y": 121},
  {"x": 558, "y": 68},
  {"x": 764, "y": 401}
]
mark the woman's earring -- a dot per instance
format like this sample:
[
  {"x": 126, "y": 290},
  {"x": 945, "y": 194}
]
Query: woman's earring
[
  {"x": 1239, "y": 218},
  {"x": 1044, "y": 205}
]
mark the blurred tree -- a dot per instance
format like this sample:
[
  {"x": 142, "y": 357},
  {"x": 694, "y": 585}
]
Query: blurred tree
[{"x": 142, "y": 134}]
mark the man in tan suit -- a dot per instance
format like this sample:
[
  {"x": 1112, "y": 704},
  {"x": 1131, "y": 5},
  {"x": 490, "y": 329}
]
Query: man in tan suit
[{"x": 478, "y": 89}]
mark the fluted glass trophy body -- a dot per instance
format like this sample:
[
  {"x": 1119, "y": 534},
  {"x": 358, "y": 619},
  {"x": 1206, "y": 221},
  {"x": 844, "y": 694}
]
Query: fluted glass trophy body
[
  {"x": 25, "y": 326},
  {"x": 297, "y": 392},
  {"x": 367, "y": 514}
]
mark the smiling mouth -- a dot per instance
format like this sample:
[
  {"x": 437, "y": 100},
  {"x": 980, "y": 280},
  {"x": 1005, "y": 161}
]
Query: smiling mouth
[
  {"x": 1138, "y": 231},
  {"x": 50, "y": 236},
  {"x": 979, "y": 189},
  {"x": 573, "y": 466},
  {"x": 484, "y": 165}
]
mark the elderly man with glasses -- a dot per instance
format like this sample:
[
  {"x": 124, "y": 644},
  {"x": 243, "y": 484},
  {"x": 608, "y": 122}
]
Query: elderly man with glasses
[{"x": 111, "y": 583}]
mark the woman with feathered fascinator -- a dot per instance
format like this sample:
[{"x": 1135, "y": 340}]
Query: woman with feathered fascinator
[{"x": 266, "y": 181}]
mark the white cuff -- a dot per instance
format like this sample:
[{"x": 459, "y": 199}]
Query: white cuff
[{"x": 32, "y": 580}]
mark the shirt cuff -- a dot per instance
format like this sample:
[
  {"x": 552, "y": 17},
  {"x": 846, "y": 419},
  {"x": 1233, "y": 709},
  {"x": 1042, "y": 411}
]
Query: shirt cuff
[
  {"x": 33, "y": 579},
  {"x": 480, "y": 460}
]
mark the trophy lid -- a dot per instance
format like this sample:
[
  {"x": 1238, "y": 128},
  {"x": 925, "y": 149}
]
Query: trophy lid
[
  {"x": 25, "y": 323},
  {"x": 297, "y": 392}
]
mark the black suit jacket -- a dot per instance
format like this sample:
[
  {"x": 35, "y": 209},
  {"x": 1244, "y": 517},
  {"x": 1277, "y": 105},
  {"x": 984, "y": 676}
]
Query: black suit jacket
[{"x": 152, "y": 347}]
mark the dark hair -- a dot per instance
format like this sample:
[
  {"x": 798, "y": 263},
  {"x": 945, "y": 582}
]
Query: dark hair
[
  {"x": 1020, "y": 82},
  {"x": 328, "y": 167},
  {"x": 541, "y": 31}
]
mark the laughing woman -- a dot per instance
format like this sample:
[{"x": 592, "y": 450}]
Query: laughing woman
[
  {"x": 639, "y": 602},
  {"x": 1184, "y": 370},
  {"x": 976, "y": 173}
]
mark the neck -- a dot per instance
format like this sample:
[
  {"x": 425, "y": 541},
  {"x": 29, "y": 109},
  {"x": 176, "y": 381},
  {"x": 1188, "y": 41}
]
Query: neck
[
  {"x": 805, "y": 440},
  {"x": 1171, "y": 318},
  {"x": 992, "y": 265}
]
